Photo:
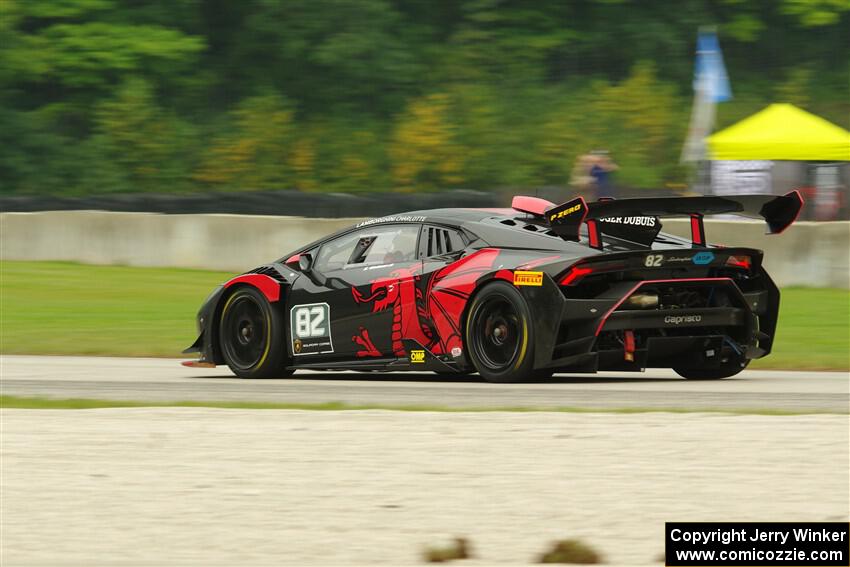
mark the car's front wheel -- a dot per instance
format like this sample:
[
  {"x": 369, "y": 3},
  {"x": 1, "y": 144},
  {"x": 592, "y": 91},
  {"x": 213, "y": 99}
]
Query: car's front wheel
[
  {"x": 499, "y": 334},
  {"x": 251, "y": 336}
]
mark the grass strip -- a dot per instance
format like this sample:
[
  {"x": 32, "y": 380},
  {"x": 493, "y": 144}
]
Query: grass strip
[
  {"x": 76, "y": 309},
  {"x": 22, "y": 402},
  {"x": 813, "y": 331}
]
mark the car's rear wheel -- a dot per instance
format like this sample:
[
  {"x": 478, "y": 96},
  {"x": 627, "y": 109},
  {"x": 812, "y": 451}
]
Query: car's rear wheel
[
  {"x": 499, "y": 334},
  {"x": 251, "y": 336},
  {"x": 726, "y": 369}
]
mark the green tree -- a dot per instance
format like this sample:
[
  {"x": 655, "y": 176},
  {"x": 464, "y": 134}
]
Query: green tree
[
  {"x": 816, "y": 13},
  {"x": 351, "y": 52},
  {"x": 424, "y": 151},
  {"x": 141, "y": 146},
  {"x": 638, "y": 120},
  {"x": 257, "y": 151},
  {"x": 338, "y": 95}
]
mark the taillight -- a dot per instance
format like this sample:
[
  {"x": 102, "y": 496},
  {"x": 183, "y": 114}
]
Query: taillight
[
  {"x": 743, "y": 262},
  {"x": 574, "y": 274}
]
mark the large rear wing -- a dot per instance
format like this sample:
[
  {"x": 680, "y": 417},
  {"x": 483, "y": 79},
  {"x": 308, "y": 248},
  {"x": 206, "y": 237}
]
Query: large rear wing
[{"x": 637, "y": 219}]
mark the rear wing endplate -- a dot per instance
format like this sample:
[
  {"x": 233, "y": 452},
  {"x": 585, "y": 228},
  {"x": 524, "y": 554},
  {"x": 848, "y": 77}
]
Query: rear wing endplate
[{"x": 640, "y": 215}]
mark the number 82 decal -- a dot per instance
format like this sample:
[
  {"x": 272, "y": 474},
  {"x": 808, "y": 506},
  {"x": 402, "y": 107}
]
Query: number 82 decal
[
  {"x": 311, "y": 328},
  {"x": 309, "y": 321},
  {"x": 653, "y": 260}
]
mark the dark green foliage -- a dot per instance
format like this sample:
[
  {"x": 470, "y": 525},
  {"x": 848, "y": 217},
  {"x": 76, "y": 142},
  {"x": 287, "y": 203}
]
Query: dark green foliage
[{"x": 363, "y": 95}]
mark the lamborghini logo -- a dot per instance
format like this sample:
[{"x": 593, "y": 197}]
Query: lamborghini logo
[{"x": 528, "y": 278}]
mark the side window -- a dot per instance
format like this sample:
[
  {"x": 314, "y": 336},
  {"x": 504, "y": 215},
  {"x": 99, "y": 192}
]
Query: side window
[
  {"x": 372, "y": 246},
  {"x": 334, "y": 254},
  {"x": 437, "y": 240}
]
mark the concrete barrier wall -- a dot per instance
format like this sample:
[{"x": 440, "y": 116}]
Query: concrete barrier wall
[
  {"x": 808, "y": 254},
  {"x": 215, "y": 242}
]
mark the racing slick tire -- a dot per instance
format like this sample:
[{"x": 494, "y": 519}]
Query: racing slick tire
[
  {"x": 499, "y": 334},
  {"x": 725, "y": 370},
  {"x": 249, "y": 331}
]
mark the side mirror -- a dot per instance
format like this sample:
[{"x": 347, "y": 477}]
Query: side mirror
[{"x": 305, "y": 263}]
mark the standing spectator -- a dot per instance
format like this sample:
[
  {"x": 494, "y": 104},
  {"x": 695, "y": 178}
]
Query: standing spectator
[
  {"x": 580, "y": 180},
  {"x": 601, "y": 172}
]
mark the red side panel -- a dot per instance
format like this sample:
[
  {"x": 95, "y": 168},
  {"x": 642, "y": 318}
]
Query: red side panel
[
  {"x": 448, "y": 293},
  {"x": 505, "y": 275},
  {"x": 267, "y": 285}
]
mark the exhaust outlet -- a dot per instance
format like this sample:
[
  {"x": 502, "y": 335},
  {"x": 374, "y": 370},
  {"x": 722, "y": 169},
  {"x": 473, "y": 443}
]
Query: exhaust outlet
[{"x": 642, "y": 301}]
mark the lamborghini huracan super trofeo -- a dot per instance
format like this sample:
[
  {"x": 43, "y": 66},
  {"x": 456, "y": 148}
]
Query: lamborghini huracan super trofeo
[{"x": 512, "y": 294}]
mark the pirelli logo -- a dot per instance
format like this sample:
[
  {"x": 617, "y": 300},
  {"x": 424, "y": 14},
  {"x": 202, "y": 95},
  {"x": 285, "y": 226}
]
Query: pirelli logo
[
  {"x": 565, "y": 212},
  {"x": 528, "y": 278},
  {"x": 417, "y": 356}
]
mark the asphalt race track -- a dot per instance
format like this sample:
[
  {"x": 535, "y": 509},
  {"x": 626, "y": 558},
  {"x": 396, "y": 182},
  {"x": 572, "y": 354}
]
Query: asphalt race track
[{"x": 148, "y": 379}]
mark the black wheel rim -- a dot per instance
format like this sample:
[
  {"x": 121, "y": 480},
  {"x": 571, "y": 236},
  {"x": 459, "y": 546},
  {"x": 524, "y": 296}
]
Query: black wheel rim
[
  {"x": 496, "y": 333},
  {"x": 245, "y": 332}
]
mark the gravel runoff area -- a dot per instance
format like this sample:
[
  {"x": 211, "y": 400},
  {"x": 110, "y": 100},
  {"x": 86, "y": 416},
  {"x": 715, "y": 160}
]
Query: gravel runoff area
[{"x": 153, "y": 486}]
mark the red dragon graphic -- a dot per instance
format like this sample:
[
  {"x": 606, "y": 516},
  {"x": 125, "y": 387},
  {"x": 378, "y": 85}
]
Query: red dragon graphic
[
  {"x": 398, "y": 291},
  {"x": 432, "y": 318}
]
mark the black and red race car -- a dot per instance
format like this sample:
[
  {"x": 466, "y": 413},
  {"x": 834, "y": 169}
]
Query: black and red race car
[{"x": 512, "y": 294}]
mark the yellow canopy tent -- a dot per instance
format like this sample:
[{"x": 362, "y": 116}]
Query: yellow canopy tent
[{"x": 781, "y": 132}]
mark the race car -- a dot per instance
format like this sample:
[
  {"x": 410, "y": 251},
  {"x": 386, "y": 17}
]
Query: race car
[{"x": 513, "y": 294}]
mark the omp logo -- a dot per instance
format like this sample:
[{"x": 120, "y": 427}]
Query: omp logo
[
  {"x": 528, "y": 278},
  {"x": 679, "y": 319},
  {"x": 565, "y": 212},
  {"x": 417, "y": 356}
]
